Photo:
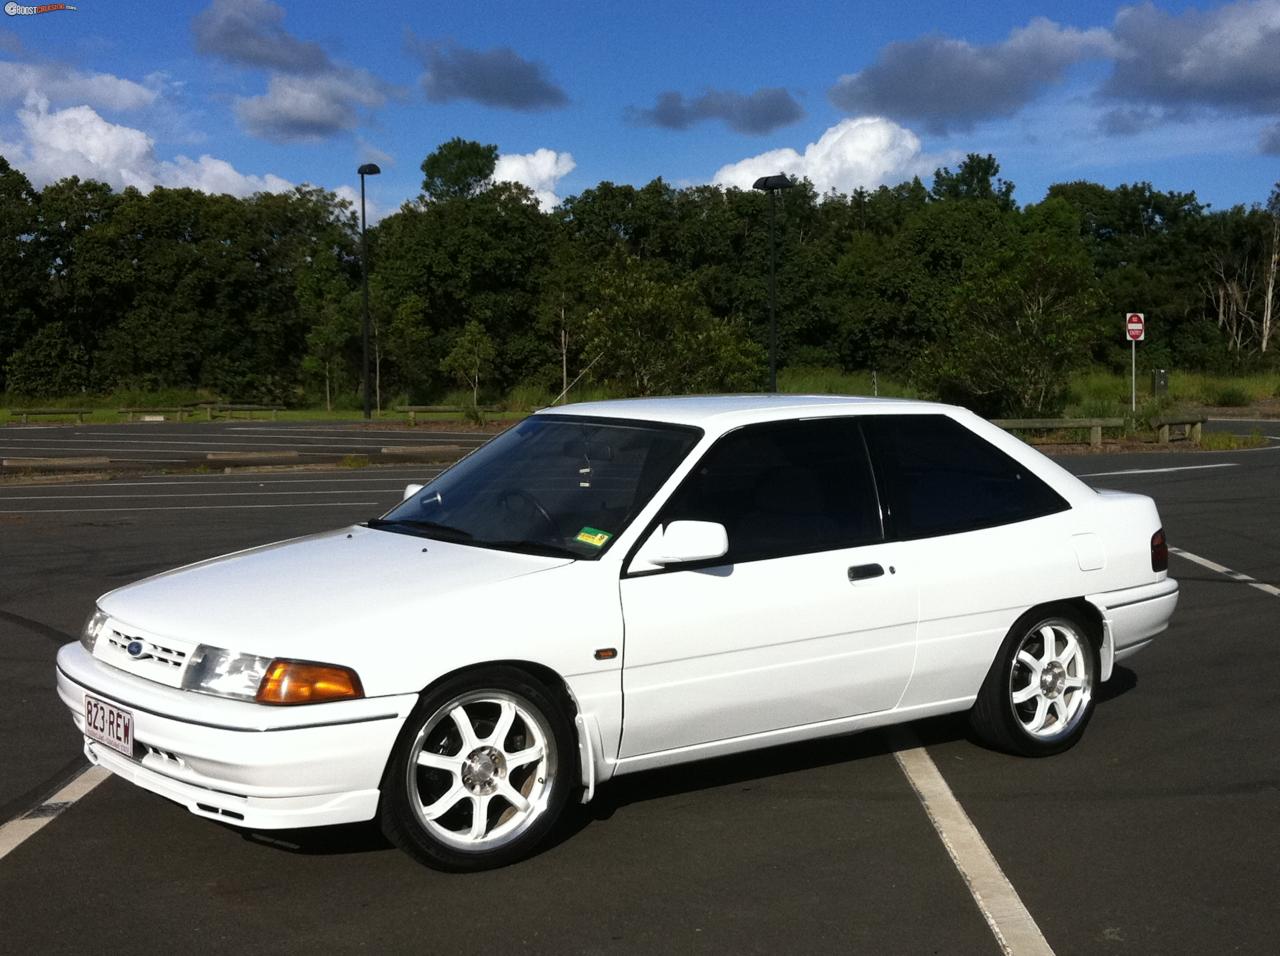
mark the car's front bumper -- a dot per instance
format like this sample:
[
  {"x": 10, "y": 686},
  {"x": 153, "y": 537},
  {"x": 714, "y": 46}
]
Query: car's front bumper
[{"x": 243, "y": 763}]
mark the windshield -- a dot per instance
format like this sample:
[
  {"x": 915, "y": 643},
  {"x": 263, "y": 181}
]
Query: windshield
[{"x": 554, "y": 485}]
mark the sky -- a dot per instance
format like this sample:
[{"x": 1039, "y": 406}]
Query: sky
[{"x": 240, "y": 96}]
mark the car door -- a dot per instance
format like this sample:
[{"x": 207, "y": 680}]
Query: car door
[
  {"x": 809, "y": 617},
  {"x": 987, "y": 537}
]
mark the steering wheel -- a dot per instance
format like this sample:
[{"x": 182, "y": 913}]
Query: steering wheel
[{"x": 531, "y": 505}]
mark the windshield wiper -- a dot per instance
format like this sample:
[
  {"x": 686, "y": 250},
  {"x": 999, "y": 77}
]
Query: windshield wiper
[
  {"x": 532, "y": 547},
  {"x": 426, "y": 528}
]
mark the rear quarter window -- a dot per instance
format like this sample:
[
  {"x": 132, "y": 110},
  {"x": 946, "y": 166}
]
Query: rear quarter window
[{"x": 937, "y": 477}]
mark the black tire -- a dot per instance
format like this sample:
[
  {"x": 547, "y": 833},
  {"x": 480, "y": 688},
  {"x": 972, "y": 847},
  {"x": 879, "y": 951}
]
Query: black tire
[
  {"x": 430, "y": 812},
  {"x": 1054, "y": 710}
]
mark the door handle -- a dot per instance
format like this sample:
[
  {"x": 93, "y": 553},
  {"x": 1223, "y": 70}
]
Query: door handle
[{"x": 860, "y": 572}]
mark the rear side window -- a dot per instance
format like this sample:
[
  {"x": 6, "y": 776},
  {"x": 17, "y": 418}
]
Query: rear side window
[
  {"x": 937, "y": 477},
  {"x": 784, "y": 488}
]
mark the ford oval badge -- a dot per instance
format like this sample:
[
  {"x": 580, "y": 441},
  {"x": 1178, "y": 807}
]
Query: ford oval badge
[{"x": 134, "y": 648}]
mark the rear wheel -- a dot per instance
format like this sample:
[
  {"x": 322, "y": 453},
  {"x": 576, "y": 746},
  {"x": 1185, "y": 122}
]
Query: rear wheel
[
  {"x": 1039, "y": 694},
  {"x": 480, "y": 773}
]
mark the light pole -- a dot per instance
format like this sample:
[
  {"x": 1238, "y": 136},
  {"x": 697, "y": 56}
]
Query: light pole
[
  {"x": 773, "y": 185},
  {"x": 368, "y": 169}
]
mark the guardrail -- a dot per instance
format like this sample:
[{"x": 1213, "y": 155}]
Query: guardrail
[
  {"x": 24, "y": 413},
  {"x": 1095, "y": 425},
  {"x": 413, "y": 410},
  {"x": 1191, "y": 426},
  {"x": 176, "y": 410},
  {"x": 231, "y": 408}
]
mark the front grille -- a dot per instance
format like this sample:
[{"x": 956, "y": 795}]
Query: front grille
[
  {"x": 151, "y": 651},
  {"x": 159, "y": 658}
]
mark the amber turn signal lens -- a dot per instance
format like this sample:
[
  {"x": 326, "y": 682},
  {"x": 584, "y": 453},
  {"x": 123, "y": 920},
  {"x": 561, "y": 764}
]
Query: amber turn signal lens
[{"x": 300, "y": 682}]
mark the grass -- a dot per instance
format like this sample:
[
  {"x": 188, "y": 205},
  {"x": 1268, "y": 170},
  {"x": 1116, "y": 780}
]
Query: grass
[
  {"x": 1227, "y": 441},
  {"x": 1092, "y": 394},
  {"x": 1099, "y": 394}
]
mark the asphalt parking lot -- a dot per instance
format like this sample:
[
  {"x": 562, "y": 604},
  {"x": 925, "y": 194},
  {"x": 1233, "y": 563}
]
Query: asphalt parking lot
[{"x": 1160, "y": 832}]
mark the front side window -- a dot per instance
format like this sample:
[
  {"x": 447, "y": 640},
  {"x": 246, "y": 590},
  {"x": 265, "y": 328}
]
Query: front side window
[
  {"x": 557, "y": 485},
  {"x": 784, "y": 488},
  {"x": 937, "y": 477}
]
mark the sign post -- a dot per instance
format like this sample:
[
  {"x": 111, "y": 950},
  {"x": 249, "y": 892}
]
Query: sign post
[{"x": 1135, "y": 328}]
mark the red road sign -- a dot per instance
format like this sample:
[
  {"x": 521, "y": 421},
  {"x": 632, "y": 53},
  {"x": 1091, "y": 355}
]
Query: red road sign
[{"x": 1135, "y": 326}]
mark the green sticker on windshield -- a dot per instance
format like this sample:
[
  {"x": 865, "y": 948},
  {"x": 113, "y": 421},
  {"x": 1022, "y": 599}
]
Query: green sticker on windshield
[{"x": 593, "y": 536}]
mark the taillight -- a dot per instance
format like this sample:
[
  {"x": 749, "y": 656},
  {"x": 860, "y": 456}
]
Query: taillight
[{"x": 1159, "y": 552}]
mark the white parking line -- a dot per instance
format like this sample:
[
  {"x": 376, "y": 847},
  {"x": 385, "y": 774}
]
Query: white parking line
[
  {"x": 150, "y": 461},
  {"x": 203, "y": 494},
  {"x": 202, "y": 480},
  {"x": 1002, "y": 908},
  {"x": 1221, "y": 569},
  {"x": 16, "y": 832},
  {"x": 86, "y": 511},
  {"x": 1158, "y": 471}
]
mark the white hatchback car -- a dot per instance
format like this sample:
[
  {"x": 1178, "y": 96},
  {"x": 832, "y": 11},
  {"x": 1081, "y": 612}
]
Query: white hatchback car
[{"x": 615, "y": 586}]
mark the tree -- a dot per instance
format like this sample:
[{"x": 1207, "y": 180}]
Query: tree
[
  {"x": 408, "y": 339},
  {"x": 648, "y": 334},
  {"x": 20, "y": 270},
  {"x": 332, "y": 343},
  {"x": 1013, "y": 331},
  {"x": 1237, "y": 255},
  {"x": 1269, "y": 293},
  {"x": 458, "y": 169},
  {"x": 470, "y": 358},
  {"x": 976, "y": 178},
  {"x": 51, "y": 364}
]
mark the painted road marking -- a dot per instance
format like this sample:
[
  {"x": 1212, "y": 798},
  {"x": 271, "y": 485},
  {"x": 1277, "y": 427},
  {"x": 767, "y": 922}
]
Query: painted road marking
[
  {"x": 1002, "y": 908},
  {"x": 195, "y": 447},
  {"x": 17, "y": 831},
  {"x": 204, "y": 494},
  {"x": 1158, "y": 471},
  {"x": 87, "y": 511},
  {"x": 150, "y": 461},
  {"x": 202, "y": 480},
  {"x": 1221, "y": 569}
]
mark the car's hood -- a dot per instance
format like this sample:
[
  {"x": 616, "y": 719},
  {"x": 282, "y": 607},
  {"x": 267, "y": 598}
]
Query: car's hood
[{"x": 293, "y": 597}]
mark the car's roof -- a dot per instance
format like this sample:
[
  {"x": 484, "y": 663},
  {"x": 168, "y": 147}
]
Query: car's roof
[{"x": 718, "y": 412}]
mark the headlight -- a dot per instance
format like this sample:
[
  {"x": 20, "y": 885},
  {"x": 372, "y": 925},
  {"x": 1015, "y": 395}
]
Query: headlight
[
  {"x": 92, "y": 628},
  {"x": 268, "y": 680},
  {"x": 223, "y": 673}
]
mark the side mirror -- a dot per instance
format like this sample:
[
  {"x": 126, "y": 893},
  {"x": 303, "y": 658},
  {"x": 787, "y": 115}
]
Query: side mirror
[
  {"x": 685, "y": 541},
  {"x": 410, "y": 491}
]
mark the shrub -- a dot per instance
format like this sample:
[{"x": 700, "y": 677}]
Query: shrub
[
  {"x": 50, "y": 364},
  {"x": 1230, "y": 396}
]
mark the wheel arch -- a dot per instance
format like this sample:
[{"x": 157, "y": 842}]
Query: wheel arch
[{"x": 545, "y": 676}]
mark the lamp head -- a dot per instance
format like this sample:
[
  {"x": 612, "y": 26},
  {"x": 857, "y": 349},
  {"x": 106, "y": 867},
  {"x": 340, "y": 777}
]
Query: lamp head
[{"x": 770, "y": 183}]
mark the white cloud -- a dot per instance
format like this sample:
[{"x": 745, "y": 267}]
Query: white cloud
[
  {"x": 310, "y": 108},
  {"x": 60, "y": 84},
  {"x": 373, "y": 211},
  {"x": 76, "y": 141},
  {"x": 540, "y": 170},
  {"x": 869, "y": 151}
]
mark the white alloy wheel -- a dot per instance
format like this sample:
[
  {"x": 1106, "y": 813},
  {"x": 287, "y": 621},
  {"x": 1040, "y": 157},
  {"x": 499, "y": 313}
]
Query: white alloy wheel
[
  {"x": 480, "y": 770},
  {"x": 1038, "y": 695},
  {"x": 1051, "y": 681}
]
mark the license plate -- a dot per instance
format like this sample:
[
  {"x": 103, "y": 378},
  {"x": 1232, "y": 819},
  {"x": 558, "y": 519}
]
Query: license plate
[{"x": 108, "y": 724}]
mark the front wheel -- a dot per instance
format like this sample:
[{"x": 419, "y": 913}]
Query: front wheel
[
  {"x": 1039, "y": 694},
  {"x": 480, "y": 772}
]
